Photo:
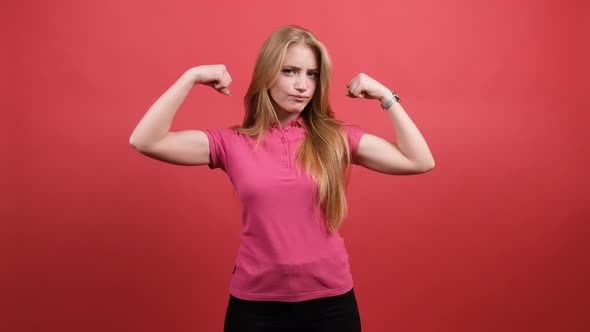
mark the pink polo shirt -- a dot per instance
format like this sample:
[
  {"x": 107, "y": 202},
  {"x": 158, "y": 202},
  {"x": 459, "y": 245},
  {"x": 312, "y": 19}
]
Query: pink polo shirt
[{"x": 285, "y": 253}]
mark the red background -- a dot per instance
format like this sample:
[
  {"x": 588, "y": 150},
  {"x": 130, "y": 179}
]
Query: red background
[{"x": 96, "y": 237}]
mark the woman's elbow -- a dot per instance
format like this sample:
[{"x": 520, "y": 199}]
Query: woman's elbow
[
  {"x": 423, "y": 167},
  {"x": 137, "y": 144},
  {"x": 133, "y": 142},
  {"x": 428, "y": 166}
]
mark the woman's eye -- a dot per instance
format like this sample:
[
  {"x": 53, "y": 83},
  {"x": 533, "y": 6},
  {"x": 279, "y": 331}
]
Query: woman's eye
[
  {"x": 288, "y": 71},
  {"x": 314, "y": 74}
]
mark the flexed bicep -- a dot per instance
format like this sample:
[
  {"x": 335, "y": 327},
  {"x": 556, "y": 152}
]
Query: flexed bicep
[
  {"x": 380, "y": 155},
  {"x": 188, "y": 147}
]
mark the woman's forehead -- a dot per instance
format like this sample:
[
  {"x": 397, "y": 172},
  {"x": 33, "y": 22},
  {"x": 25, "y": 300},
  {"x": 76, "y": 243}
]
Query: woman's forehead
[{"x": 300, "y": 56}]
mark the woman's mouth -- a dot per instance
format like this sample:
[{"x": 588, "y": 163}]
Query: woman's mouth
[{"x": 299, "y": 97}]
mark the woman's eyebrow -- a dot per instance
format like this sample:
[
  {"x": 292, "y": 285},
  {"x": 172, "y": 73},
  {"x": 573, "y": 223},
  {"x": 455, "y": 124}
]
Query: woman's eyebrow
[{"x": 295, "y": 67}]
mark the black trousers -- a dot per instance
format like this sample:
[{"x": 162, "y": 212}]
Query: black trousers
[{"x": 335, "y": 313}]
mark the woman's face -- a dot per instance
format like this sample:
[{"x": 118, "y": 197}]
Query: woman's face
[{"x": 296, "y": 82}]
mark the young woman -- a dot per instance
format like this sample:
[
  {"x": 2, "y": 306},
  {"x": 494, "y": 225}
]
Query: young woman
[{"x": 288, "y": 162}]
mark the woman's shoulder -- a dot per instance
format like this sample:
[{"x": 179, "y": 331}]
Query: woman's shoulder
[
  {"x": 351, "y": 128},
  {"x": 231, "y": 130},
  {"x": 353, "y": 133},
  {"x": 233, "y": 133}
]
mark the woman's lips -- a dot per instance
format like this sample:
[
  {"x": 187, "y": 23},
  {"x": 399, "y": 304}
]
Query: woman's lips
[{"x": 299, "y": 97}]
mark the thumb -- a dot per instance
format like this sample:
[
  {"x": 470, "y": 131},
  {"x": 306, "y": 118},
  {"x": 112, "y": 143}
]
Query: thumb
[{"x": 225, "y": 91}]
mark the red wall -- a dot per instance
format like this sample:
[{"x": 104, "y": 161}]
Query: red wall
[{"x": 96, "y": 237}]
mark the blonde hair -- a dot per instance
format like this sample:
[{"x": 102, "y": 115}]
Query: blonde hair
[{"x": 324, "y": 152}]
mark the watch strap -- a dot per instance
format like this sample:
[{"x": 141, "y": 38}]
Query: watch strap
[{"x": 390, "y": 102}]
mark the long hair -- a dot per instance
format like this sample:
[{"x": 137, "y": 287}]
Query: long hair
[{"x": 324, "y": 152}]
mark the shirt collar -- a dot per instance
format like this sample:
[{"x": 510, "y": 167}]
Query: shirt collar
[{"x": 299, "y": 122}]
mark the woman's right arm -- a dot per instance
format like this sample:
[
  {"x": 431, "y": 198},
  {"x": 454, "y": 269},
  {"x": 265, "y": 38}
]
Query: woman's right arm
[{"x": 152, "y": 136}]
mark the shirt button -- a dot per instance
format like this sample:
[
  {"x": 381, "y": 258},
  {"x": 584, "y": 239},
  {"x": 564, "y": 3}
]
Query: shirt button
[
  {"x": 284, "y": 153},
  {"x": 284, "y": 165},
  {"x": 283, "y": 140}
]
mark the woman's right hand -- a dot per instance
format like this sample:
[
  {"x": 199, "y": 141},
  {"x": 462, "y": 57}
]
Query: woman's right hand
[{"x": 215, "y": 76}]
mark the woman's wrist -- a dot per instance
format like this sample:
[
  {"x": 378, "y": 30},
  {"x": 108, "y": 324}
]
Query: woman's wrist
[
  {"x": 192, "y": 75},
  {"x": 386, "y": 96}
]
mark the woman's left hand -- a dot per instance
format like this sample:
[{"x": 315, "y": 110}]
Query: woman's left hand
[{"x": 364, "y": 86}]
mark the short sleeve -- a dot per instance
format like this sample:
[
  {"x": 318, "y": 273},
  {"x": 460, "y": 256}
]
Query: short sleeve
[
  {"x": 219, "y": 145},
  {"x": 354, "y": 134}
]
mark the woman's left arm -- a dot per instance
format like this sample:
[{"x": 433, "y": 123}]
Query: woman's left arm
[{"x": 409, "y": 155}]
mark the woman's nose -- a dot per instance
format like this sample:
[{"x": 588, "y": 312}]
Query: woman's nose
[{"x": 301, "y": 83}]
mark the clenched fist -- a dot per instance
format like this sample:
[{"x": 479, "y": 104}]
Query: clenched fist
[
  {"x": 363, "y": 86},
  {"x": 215, "y": 76}
]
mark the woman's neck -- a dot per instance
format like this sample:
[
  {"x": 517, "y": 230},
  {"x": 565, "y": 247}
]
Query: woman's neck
[{"x": 286, "y": 117}]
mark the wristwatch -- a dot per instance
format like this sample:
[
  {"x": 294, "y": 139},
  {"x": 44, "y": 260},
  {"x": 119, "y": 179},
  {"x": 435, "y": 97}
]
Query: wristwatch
[{"x": 390, "y": 102}]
